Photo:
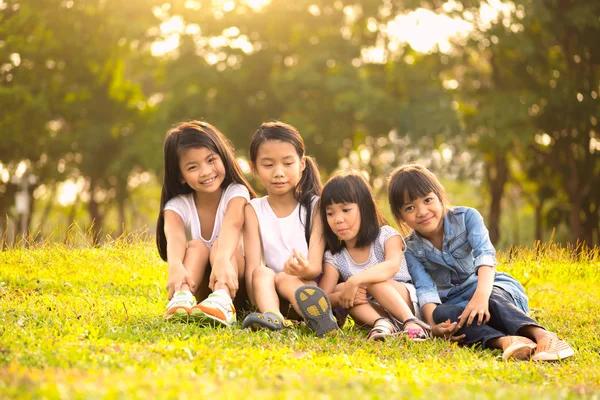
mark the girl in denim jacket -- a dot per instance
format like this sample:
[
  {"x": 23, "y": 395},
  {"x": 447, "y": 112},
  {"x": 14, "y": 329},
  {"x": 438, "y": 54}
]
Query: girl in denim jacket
[{"x": 453, "y": 264}]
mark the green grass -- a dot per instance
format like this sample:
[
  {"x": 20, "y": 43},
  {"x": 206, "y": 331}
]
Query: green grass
[{"x": 87, "y": 323}]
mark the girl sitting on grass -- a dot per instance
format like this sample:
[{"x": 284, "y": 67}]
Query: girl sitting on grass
[
  {"x": 203, "y": 198},
  {"x": 278, "y": 229},
  {"x": 367, "y": 254},
  {"x": 453, "y": 264}
]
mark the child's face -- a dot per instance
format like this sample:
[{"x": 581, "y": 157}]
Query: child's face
[
  {"x": 278, "y": 167},
  {"x": 201, "y": 169},
  {"x": 424, "y": 215},
  {"x": 344, "y": 220}
]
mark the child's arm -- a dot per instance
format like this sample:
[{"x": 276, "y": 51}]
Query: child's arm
[
  {"x": 328, "y": 283},
  {"x": 176, "y": 245},
  {"x": 252, "y": 248},
  {"x": 484, "y": 258},
  {"x": 377, "y": 273},
  {"x": 312, "y": 266},
  {"x": 223, "y": 272},
  {"x": 329, "y": 279},
  {"x": 429, "y": 299}
]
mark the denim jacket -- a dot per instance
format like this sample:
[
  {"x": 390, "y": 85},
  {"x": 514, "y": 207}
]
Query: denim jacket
[{"x": 450, "y": 275}]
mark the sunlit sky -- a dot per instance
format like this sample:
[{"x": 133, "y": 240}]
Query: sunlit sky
[{"x": 422, "y": 29}]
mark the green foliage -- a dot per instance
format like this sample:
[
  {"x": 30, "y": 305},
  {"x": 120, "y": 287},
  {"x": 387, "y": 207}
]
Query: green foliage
[{"x": 88, "y": 323}]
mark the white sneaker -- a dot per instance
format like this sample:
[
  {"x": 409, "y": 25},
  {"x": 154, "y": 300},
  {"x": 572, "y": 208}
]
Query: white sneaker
[
  {"x": 180, "y": 305},
  {"x": 216, "y": 307}
]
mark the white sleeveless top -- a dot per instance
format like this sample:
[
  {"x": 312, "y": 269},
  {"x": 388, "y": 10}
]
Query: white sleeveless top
[
  {"x": 279, "y": 236},
  {"x": 185, "y": 207}
]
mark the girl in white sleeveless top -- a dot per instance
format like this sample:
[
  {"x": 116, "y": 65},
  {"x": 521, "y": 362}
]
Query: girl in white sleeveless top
[
  {"x": 367, "y": 255},
  {"x": 283, "y": 239}
]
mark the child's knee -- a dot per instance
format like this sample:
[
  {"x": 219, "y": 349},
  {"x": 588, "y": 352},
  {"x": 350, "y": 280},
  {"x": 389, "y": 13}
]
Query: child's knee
[
  {"x": 281, "y": 278},
  {"x": 445, "y": 312},
  {"x": 262, "y": 274}
]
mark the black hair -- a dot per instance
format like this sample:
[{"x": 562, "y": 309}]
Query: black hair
[
  {"x": 408, "y": 183},
  {"x": 351, "y": 187},
  {"x": 310, "y": 183},
  {"x": 187, "y": 135}
]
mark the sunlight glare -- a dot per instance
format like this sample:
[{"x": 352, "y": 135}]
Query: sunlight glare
[
  {"x": 424, "y": 30},
  {"x": 68, "y": 191},
  {"x": 163, "y": 47},
  {"x": 257, "y": 5}
]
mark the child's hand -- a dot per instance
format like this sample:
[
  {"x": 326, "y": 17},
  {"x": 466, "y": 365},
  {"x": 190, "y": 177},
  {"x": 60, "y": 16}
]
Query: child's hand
[
  {"x": 178, "y": 278},
  {"x": 477, "y": 307},
  {"x": 349, "y": 293},
  {"x": 224, "y": 274},
  {"x": 296, "y": 265},
  {"x": 361, "y": 296},
  {"x": 446, "y": 331}
]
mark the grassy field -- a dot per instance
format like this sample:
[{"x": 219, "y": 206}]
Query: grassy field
[{"x": 87, "y": 323}]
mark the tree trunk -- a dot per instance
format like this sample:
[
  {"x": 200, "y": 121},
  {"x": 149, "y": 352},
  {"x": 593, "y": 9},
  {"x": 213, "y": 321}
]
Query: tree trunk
[
  {"x": 95, "y": 214},
  {"x": 538, "y": 221},
  {"x": 497, "y": 174}
]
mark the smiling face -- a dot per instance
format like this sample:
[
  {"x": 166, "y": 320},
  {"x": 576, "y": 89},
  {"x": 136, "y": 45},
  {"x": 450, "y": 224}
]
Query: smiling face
[
  {"x": 201, "y": 169},
  {"x": 344, "y": 220},
  {"x": 278, "y": 167},
  {"x": 424, "y": 215}
]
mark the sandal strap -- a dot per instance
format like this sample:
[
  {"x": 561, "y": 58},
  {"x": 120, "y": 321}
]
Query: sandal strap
[{"x": 417, "y": 321}]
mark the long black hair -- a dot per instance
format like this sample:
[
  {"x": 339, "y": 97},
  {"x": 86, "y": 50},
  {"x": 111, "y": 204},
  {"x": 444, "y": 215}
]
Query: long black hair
[
  {"x": 186, "y": 135},
  {"x": 351, "y": 187},
  {"x": 310, "y": 184}
]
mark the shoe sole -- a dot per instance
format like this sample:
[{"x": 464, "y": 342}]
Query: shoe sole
[
  {"x": 316, "y": 309},
  {"x": 561, "y": 355},
  {"x": 178, "y": 313},
  {"x": 519, "y": 351},
  {"x": 209, "y": 315}
]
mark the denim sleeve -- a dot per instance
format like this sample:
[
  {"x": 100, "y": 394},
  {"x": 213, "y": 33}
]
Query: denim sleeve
[
  {"x": 426, "y": 289},
  {"x": 478, "y": 236}
]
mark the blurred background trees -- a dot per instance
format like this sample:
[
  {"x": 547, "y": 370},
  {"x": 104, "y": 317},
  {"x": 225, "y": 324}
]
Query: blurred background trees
[{"x": 499, "y": 98}]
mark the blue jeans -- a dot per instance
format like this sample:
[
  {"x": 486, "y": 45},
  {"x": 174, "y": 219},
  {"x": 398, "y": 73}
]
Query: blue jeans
[{"x": 505, "y": 319}]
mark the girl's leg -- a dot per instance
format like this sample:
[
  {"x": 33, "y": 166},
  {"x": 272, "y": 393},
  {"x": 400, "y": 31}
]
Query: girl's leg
[
  {"x": 238, "y": 262},
  {"x": 286, "y": 286},
  {"x": 366, "y": 314},
  {"x": 196, "y": 262},
  {"x": 394, "y": 297},
  {"x": 475, "y": 334},
  {"x": 263, "y": 283},
  {"x": 506, "y": 316},
  {"x": 513, "y": 347}
]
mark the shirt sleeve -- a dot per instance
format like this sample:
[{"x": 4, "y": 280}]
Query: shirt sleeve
[
  {"x": 328, "y": 258},
  {"x": 484, "y": 253},
  {"x": 426, "y": 289},
  {"x": 237, "y": 190},
  {"x": 179, "y": 205},
  {"x": 386, "y": 232}
]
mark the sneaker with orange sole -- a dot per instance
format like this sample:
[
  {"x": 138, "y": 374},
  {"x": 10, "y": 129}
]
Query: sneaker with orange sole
[
  {"x": 215, "y": 308},
  {"x": 180, "y": 306}
]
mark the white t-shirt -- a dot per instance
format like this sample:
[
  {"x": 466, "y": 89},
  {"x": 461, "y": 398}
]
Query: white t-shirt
[
  {"x": 280, "y": 236},
  {"x": 185, "y": 207}
]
